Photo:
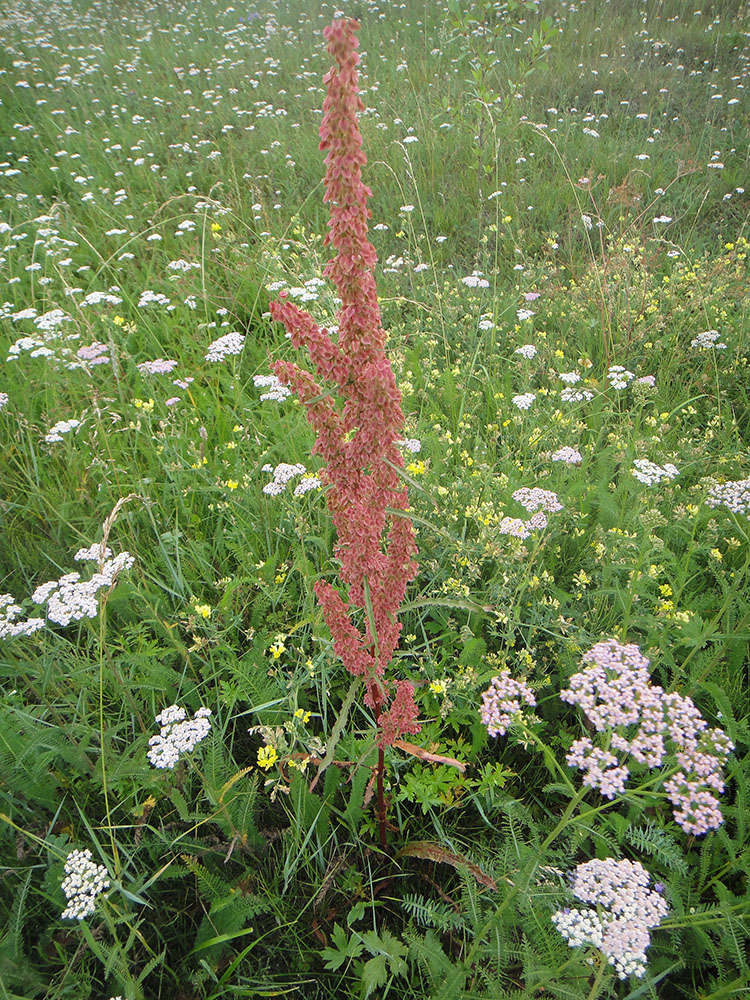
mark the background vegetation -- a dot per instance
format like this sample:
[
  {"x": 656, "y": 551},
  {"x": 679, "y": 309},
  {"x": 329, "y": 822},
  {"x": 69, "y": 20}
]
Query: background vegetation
[{"x": 584, "y": 164}]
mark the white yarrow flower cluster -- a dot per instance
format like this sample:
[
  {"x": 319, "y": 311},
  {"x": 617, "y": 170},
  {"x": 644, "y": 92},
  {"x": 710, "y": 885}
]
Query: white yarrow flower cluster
[
  {"x": 528, "y": 351},
  {"x": 306, "y": 484},
  {"x": 83, "y": 882},
  {"x": 475, "y": 280},
  {"x": 10, "y": 628},
  {"x": 72, "y": 599},
  {"x": 524, "y": 400},
  {"x": 283, "y": 473},
  {"x": 568, "y": 455},
  {"x": 707, "y": 341},
  {"x": 652, "y": 474},
  {"x": 412, "y": 445},
  {"x": 734, "y": 495},
  {"x": 276, "y": 391},
  {"x": 515, "y": 527},
  {"x": 569, "y": 395},
  {"x": 179, "y": 735},
  {"x": 503, "y": 702},
  {"x": 534, "y": 498},
  {"x": 55, "y": 433},
  {"x": 94, "y": 553},
  {"x": 230, "y": 343},
  {"x": 619, "y": 377},
  {"x": 623, "y": 912}
]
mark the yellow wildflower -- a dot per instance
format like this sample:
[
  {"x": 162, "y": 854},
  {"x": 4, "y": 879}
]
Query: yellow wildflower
[
  {"x": 277, "y": 647},
  {"x": 267, "y": 757}
]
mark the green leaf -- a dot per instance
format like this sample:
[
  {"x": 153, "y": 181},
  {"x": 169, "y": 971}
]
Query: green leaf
[
  {"x": 344, "y": 951},
  {"x": 374, "y": 974}
]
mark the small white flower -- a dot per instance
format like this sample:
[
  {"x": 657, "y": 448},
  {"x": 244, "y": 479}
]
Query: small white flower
[
  {"x": 410, "y": 444},
  {"x": 568, "y": 455},
  {"x": 708, "y": 340},
  {"x": 230, "y": 343},
  {"x": 178, "y": 735},
  {"x": 651, "y": 474},
  {"x": 475, "y": 280},
  {"x": 524, "y": 400},
  {"x": 83, "y": 882},
  {"x": 276, "y": 391}
]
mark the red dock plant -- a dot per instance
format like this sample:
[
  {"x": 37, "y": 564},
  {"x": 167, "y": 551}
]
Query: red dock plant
[{"x": 354, "y": 406}]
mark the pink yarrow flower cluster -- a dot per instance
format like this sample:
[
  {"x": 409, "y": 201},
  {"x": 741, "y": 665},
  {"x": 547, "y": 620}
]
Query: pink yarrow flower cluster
[
  {"x": 621, "y": 913},
  {"x": 358, "y": 439},
  {"x": 503, "y": 701},
  {"x": 641, "y": 721},
  {"x": 535, "y": 499}
]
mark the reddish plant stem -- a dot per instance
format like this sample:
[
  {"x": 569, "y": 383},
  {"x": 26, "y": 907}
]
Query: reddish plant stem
[{"x": 381, "y": 798}]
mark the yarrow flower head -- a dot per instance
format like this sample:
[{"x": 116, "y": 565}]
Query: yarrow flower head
[
  {"x": 652, "y": 474},
  {"x": 161, "y": 366},
  {"x": 569, "y": 395},
  {"x": 515, "y": 527},
  {"x": 412, "y": 445},
  {"x": 619, "y": 377},
  {"x": 622, "y": 912},
  {"x": 71, "y": 599},
  {"x": 653, "y": 728},
  {"x": 10, "y": 627},
  {"x": 475, "y": 280},
  {"x": 707, "y": 341},
  {"x": 275, "y": 391},
  {"x": 282, "y": 474},
  {"x": 734, "y": 495},
  {"x": 55, "y": 433},
  {"x": 221, "y": 349},
  {"x": 568, "y": 455},
  {"x": 524, "y": 400},
  {"x": 534, "y": 498},
  {"x": 503, "y": 701},
  {"x": 83, "y": 882},
  {"x": 179, "y": 735},
  {"x": 528, "y": 351}
]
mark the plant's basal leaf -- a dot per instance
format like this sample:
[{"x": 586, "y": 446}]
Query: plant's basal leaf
[{"x": 434, "y": 852}]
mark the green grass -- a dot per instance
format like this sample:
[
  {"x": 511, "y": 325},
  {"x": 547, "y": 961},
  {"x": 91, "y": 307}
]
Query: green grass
[{"x": 229, "y": 880}]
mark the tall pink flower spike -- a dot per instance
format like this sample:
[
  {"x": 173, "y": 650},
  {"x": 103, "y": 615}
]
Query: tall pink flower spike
[{"x": 356, "y": 438}]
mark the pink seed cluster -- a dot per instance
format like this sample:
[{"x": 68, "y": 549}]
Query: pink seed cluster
[
  {"x": 622, "y": 911},
  {"x": 503, "y": 701},
  {"x": 354, "y": 406},
  {"x": 640, "y": 720}
]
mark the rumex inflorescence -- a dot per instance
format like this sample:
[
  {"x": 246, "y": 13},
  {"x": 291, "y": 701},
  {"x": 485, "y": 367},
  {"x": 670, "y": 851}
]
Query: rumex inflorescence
[{"x": 358, "y": 439}]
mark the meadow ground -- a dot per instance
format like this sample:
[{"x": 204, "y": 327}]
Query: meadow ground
[{"x": 560, "y": 216}]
